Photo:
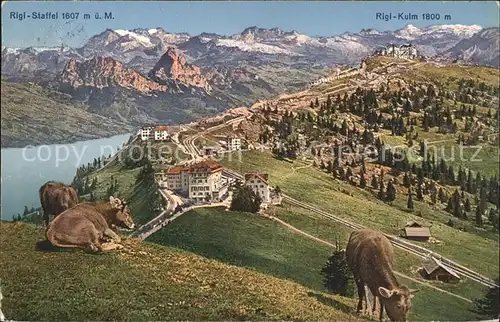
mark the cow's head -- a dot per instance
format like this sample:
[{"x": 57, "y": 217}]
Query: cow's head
[
  {"x": 123, "y": 218},
  {"x": 397, "y": 302}
]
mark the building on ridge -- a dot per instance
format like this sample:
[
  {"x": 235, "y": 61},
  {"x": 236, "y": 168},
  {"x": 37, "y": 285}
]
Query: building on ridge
[
  {"x": 233, "y": 143},
  {"x": 201, "y": 182},
  {"x": 259, "y": 184},
  {"x": 407, "y": 51}
]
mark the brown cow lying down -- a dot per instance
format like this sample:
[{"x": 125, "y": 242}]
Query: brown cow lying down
[
  {"x": 55, "y": 198},
  {"x": 87, "y": 224}
]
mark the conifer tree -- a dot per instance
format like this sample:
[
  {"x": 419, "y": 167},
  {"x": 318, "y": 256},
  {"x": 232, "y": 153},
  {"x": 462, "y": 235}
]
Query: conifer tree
[
  {"x": 381, "y": 191},
  {"x": 409, "y": 203},
  {"x": 391, "y": 191},
  {"x": 420, "y": 196},
  {"x": 348, "y": 173},
  {"x": 479, "y": 215},
  {"x": 433, "y": 194},
  {"x": 467, "y": 205},
  {"x": 441, "y": 195},
  {"x": 362, "y": 180},
  {"x": 337, "y": 277},
  {"x": 406, "y": 180}
]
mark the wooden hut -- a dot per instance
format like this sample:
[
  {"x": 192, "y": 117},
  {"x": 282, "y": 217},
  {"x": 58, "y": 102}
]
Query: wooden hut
[
  {"x": 433, "y": 269},
  {"x": 414, "y": 230}
]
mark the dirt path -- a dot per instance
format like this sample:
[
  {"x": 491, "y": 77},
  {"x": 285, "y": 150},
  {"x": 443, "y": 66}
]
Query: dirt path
[
  {"x": 294, "y": 170},
  {"x": 331, "y": 245},
  {"x": 298, "y": 230}
]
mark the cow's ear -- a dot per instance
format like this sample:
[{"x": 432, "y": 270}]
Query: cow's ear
[
  {"x": 385, "y": 292},
  {"x": 111, "y": 199},
  {"x": 412, "y": 293}
]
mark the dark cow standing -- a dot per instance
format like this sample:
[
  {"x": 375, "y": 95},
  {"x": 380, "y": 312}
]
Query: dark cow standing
[
  {"x": 55, "y": 198},
  {"x": 370, "y": 257}
]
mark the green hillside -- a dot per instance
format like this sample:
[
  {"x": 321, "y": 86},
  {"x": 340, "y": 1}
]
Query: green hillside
[
  {"x": 146, "y": 282},
  {"x": 53, "y": 118},
  {"x": 247, "y": 240},
  {"x": 252, "y": 241},
  {"x": 475, "y": 248}
]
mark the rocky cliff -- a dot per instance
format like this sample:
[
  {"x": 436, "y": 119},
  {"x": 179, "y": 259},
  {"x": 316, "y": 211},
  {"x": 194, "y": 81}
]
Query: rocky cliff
[
  {"x": 103, "y": 72},
  {"x": 173, "y": 66}
]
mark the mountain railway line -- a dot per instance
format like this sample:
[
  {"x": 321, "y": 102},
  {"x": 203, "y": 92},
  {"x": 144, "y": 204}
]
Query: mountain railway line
[{"x": 404, "y": 245}]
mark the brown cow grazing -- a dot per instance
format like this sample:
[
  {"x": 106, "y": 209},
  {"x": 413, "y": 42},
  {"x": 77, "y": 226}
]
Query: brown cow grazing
[
  {"x": 55, "y": 198},
  {"x": 370, "y": 256},
  {"x": 88, "y": 224}
]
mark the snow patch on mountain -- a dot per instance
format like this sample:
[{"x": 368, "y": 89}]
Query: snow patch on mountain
[
  {"x": 459, "y": 30},
  {"x": 10, "y": 50},
  {"x": 253, "y": 47},
  {"x": 144, "y": 40},
  {"x": 410, "y": 32}
]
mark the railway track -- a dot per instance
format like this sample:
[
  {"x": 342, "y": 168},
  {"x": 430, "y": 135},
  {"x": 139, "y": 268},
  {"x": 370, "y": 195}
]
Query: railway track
[
  {"x": 407, "y": 246},
  {"x": 402, "y": 244}
]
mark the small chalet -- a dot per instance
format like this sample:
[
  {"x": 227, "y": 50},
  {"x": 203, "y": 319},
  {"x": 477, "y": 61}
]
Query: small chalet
[
  {"x": 433, "y": 269},
  {"x": 161, "y": 133},
  {"x": 258, "y": 182},
  {"x": 416, "y": 231},
  {"x": 233, "y": 143},
  {"x": 146, "y": 133},
  {"x": 210, "y": 150}
]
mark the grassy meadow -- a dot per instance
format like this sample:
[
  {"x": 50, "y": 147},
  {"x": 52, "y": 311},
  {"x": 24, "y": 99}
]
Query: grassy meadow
[
  {"x": 263, "y": 245},
  {"x": 311, "y": 185},
  {"x": 145, "y": 282}
]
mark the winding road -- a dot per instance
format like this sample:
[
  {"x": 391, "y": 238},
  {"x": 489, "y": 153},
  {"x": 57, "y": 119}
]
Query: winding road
[{"x": 407, "y": 246}]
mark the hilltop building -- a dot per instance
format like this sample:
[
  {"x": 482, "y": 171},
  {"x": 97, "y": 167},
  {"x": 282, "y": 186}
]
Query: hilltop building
[
  {"x": 159, "y": 133},
  {"x": 233, "y": 143},
  {"x": 259, "y": 184},
  {"x": 201, "y": 182},
  {"x": 406, "y": 51},
  {"x": 146, "y": 133}
]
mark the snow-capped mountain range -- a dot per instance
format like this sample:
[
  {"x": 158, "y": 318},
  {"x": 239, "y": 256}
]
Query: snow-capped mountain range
[
  {"x": 142, "y": 47},
  {"x": 151, "y": 76}
]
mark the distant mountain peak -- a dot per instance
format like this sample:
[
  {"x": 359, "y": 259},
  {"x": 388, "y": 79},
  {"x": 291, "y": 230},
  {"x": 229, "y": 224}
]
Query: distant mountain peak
[
  {"x": 101, "y": 71},
  {"x": 173, "y": 66},
  {"x": 412, "y": 32},
  {"x": 369, "y": 31},
  {"x": 262, "y": 31}
]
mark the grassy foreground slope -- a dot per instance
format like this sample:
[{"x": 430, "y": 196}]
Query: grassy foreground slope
[
  {"x": 247, "y": 240},
  {"x": 255, "y": 242},
  {"x": 311, "y": 185},
  {"x": 145, "y": 282}
]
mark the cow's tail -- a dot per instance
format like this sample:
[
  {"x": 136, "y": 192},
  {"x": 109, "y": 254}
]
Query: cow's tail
[{"x": 44, "y": 245}]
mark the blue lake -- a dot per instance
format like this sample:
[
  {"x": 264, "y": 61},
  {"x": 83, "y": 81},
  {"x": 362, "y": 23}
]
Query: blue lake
[{"x": 25, "y": 170}]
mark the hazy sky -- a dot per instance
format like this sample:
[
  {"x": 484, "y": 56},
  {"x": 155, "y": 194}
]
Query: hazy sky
[{"x": 311, "y": 18}]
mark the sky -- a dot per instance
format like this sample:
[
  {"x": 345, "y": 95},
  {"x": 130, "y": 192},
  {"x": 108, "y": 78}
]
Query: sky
[{"x": 314, "y": 18}]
